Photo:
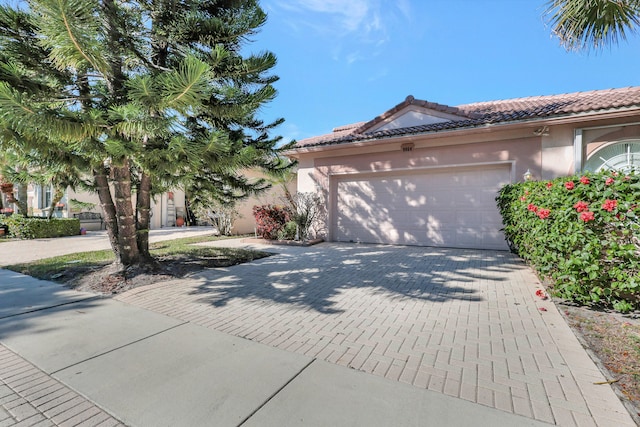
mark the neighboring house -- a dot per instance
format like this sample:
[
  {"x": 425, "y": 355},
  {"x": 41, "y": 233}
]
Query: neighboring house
[
  {"x": 427, "y": 174},
  {"x": 165, "y": 208}
]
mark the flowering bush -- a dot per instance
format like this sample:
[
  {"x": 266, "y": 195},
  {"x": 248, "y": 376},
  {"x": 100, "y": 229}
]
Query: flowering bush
[
  {"x": 581, "y": 232},
  {"x": 270, "y": 219}
]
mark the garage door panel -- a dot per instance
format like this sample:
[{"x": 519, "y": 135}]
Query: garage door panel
[{"x": 446, "y": 208}]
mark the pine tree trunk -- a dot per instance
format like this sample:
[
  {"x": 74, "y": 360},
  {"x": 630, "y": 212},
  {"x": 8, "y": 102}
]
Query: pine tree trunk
[
  {"x": 57, "y": 196},
  {"x": 109, "y": 211},
  {"x": 143, "y": 204},
  {"x": 21, "y": 200},
  {"x": 127, "y": 241}
]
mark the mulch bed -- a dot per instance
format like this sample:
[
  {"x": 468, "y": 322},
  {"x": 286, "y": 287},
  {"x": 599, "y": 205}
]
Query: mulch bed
[
  {"x": 613, "y": 341},
  {"x": 107, "y": 279}
]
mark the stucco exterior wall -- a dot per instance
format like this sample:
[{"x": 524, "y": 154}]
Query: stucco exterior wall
[
  {"x": 246, "y": 223},
  {"x": 557, "y": 156}
]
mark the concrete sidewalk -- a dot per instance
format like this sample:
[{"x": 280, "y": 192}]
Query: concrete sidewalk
[{"x": 68, "y": 358}]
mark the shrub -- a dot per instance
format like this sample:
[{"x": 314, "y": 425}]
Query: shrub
[
  {"x": 289, "y": 231},
  {"x": 36, "y": 228},
  {"x": 270, "y": 219},
  {"x": 221, "y": 216},
  {"x": 308, "y": 209},
  {"x": 582, "y": 232}
]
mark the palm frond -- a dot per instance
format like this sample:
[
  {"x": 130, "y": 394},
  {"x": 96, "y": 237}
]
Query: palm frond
[{"x": 592, "y": 24}]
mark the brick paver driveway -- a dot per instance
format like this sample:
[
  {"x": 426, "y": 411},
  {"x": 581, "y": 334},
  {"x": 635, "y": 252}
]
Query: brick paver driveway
[{"x": 460, "y": 322}]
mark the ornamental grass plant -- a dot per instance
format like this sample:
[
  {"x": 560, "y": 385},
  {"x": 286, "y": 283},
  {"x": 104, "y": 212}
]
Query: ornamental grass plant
[{"x": 582, "y": 233}]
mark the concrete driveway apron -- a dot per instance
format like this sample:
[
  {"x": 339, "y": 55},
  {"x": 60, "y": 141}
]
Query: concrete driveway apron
[{"x": 463, "y": 323}]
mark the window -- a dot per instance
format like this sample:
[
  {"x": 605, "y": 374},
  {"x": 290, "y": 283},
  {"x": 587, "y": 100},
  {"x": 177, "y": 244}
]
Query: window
[
  {"x": 45, "y": 197},
  {"x": 620, "y": 156}
]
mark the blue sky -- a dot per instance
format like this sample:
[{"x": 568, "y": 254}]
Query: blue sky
[{"x": 344, "y": 61}]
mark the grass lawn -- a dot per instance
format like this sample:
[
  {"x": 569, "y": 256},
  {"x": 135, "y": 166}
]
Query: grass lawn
[{"x": 176, "y": 258}]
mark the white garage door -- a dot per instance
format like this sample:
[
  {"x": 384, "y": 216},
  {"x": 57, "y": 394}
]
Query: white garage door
[{"x": 453, "y": 207}]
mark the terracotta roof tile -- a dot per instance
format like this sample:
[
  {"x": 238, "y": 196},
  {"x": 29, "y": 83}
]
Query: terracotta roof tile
[{"x": 484, "y": 113}]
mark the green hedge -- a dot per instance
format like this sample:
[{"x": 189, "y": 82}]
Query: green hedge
[
  {"x": 582, "y": 232},
  {"x": 35, "y": 228}
]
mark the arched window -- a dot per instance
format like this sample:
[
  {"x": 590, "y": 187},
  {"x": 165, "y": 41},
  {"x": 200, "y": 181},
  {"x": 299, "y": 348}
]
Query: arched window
[{"x": 620, "y": 156}]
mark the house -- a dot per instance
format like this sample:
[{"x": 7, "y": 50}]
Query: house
[
  {"x": 427, "y": 174},
  {"x": 166, "y": 208}
]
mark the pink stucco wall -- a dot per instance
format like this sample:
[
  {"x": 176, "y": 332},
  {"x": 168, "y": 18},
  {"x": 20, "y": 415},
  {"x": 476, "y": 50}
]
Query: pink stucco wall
[{"x": 524, "y": 153}]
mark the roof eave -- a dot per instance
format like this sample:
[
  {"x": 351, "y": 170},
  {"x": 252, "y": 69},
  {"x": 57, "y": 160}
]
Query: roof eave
[{"x": 489, "y": 127}]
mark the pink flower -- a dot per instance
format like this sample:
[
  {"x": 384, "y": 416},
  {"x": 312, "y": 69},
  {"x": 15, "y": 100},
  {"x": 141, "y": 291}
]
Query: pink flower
[
  {"x": 549, "y": 184},
  {"x": 523, "y": 198},
  {"x": 543, "y": 213},
  {"x": 609, "y": 205},
  {"x": 587, "y": 216},
  {"x": 569, "y": 185},
  {"x": 585, "y": 180},
  {"x": 581, "y": 206},
  {"x": 532, "y": 207},
  {"x": 609, "y": 181},
  {"x": 540, "y": 293}
]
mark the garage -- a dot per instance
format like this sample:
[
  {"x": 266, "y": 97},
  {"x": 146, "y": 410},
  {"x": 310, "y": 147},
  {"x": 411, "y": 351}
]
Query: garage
[{"x": 447, "y": 207}]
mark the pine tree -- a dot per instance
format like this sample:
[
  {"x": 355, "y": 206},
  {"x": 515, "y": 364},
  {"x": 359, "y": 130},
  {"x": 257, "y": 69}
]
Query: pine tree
[{"x": 141, "y": 96}]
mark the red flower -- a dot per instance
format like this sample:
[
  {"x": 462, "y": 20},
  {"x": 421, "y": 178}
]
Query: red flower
[
  {"x": 581, "y": 206},
  {"x": 585, "y": 180},
  {"x": 549, "y": 184},
  {"x": 532, "y": 207},
  {"x": 523, "y": 198},
  {"x": 543, "y": 213},
  {"x": 609, "y": 205},
  {"x": 587, "y": 216},
  {"x": 609, "y": 181},
  {"x": 569, "y": 185}
]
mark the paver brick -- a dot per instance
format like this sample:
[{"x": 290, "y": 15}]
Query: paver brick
[
  {"x": 31, "y": 421},
  {"x": 22, "y": 411},
  {"x": 35, "y": 399}
]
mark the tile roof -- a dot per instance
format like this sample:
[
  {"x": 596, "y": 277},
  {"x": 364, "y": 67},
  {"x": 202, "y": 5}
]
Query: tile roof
[{"x": 485, "y": 113}]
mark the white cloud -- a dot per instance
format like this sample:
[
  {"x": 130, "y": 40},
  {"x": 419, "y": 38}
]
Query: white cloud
[
  {"x": 353, "y": 30},
  {"x": 289, "y": 132},
  {"x": 350, "y": 14}
]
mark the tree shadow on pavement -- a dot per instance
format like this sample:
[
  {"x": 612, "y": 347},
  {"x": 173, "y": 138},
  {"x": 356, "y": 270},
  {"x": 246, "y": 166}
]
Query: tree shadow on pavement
[{"x": 313, "y": 277}]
